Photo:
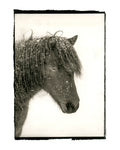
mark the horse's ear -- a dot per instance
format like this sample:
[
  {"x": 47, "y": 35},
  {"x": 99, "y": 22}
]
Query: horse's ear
[
  {"x": 73, "y": 39},
  {"x": 52, "y": 43}
]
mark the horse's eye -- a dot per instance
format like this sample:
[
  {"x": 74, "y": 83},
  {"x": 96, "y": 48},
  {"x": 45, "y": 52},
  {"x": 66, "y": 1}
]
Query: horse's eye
[{"x": 53, "y": 68}]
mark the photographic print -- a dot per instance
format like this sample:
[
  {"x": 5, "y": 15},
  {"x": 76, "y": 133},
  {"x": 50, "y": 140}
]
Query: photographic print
[{"x": 59, "y": 74}]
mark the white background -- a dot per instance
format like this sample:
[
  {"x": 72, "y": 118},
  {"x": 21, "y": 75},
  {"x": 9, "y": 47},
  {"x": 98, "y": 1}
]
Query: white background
[
  {"x": 6, "y": 62},
  {"x": 44, "y": 116}
]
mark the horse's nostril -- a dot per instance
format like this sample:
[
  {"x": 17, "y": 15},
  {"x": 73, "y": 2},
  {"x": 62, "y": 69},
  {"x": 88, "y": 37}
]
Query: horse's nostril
[{"x": 70, "y": 107}]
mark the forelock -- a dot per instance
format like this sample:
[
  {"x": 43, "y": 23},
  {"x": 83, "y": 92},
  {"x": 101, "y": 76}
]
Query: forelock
[{"x": 67, "y": 55}]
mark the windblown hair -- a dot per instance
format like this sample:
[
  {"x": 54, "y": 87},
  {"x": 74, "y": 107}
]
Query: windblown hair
[{"x": 30, "y": 59}]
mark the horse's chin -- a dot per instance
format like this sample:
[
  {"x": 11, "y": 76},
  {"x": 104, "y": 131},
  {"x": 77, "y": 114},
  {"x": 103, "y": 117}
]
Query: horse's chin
[{"x": 69, "y": 108}]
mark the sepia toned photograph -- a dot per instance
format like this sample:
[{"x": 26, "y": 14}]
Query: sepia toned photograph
[{"x": 59, "y": 74}]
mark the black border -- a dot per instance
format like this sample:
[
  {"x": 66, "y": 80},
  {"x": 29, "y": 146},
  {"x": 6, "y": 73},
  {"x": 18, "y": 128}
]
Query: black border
[{"x": 16, "y": 11}]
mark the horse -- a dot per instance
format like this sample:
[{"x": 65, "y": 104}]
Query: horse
[{"x": 47, "y": 63}]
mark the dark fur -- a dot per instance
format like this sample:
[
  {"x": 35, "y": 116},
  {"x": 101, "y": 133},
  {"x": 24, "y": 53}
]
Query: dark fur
[{"x": 31, "y": 57}]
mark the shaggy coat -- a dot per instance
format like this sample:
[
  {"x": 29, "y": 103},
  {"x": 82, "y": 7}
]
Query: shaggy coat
[{"x": 31, "y": 59}]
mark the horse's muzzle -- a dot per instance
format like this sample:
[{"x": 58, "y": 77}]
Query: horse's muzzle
[{"x": 70, "y": 107}]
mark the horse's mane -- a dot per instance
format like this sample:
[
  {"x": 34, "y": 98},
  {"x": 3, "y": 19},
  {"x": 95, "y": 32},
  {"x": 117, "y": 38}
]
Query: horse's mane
[{"x": 31, "y": 55}]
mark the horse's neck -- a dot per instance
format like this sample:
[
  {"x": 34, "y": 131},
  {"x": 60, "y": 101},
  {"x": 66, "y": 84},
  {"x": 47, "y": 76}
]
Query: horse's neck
[{"x": 25, "y": 96}]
